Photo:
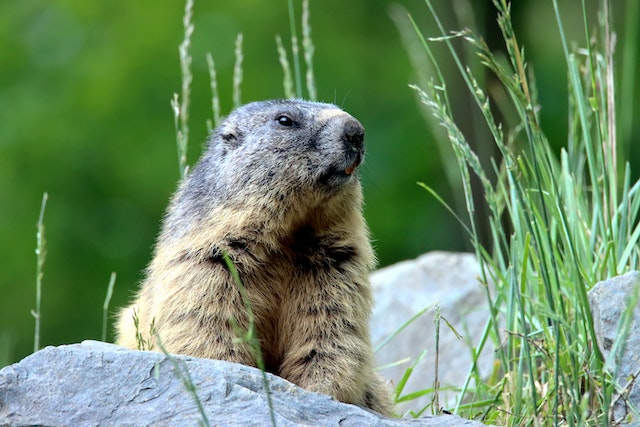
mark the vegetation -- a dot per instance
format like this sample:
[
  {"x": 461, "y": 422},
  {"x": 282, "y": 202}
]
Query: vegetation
[
  {"x": 41, "y": 256},
  {"x": 558, "y": 224}
]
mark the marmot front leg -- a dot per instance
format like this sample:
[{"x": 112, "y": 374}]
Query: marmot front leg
[
  {"x": 328, "y": 350},
  {"x": 208, "y": 323}
]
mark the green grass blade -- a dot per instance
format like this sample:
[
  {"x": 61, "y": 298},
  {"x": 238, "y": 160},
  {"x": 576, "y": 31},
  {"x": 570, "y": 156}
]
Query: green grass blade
[{"x": 105, "y": 305}]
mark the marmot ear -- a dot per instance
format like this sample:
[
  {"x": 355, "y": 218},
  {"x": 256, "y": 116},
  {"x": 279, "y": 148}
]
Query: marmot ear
[
  {"x": 229, "y": 134},
  {"x": 229, "y": 138}
]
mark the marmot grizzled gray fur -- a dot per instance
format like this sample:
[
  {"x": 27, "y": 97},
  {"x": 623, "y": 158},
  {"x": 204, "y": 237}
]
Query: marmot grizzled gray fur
[{"x": 277, "y": 190}]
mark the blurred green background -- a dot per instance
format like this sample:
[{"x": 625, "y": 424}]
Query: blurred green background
[{"x": 85, "y": 91}]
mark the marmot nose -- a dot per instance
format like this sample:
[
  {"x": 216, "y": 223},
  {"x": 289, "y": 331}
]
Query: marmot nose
[{"x": 353, "y": 134}]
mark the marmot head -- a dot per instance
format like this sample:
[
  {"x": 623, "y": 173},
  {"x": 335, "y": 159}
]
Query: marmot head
[
  {"x": 283, "y": 146},
  {"x": 287, "y": 157},
  {"x": 306, "y": 143}
]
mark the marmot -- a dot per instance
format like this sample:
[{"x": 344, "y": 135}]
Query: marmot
[{"x": 277, "y": 191}]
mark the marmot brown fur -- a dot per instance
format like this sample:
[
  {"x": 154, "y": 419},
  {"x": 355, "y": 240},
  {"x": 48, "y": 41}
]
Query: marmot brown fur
[{"x": 277, "y": 190}]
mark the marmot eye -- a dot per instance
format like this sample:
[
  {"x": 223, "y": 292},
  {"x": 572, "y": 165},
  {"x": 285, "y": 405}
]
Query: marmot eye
[{"x": 284, "y": 120}]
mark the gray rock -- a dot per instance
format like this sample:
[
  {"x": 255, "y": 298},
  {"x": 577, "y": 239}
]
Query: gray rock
[
  {"x": 99, "y": 384},
  {"x": 608, "y": 299},
  {"x": 402, "y": 290}
]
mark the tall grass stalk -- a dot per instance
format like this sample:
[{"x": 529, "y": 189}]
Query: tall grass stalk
[
  {"x": 559, "y": 222},
  {"x": 215, "y": 95},
  {"x": 105, "y": 305},
  {"x": 295, "y": 49},
  {"x": 250, "y": 335},
  {"x": 182, "y": 373},
  {"x": 308, "y": 49},
  {"x": 293, "y": 78},
  {"x": 287, "y": 81},
  {"x": 436, "y": 365},
  {"x": 180, "y": 103},
  {"x": 41, "y": 256},
  {"x": 237, "y": 73}
]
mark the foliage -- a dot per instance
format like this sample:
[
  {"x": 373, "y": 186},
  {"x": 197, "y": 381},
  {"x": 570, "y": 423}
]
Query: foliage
[
  {"x": 41, "y": 256},
  {"x": 558, "y": 224}
]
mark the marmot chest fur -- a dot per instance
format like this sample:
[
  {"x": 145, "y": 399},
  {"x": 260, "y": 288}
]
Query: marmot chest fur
[{"x": 277, "y": 191}]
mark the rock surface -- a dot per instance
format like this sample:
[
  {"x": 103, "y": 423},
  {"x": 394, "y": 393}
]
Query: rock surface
[
  {"x": 608, "y": 299},
  {"x": 95, "y": 383},
  {"x": 401, "y": 291}
]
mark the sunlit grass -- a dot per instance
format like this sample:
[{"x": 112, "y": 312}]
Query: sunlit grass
[
  {"x": 41, "y": 256},
  {"x": 105, "y": 305},
  {"x": 559, "y": 223}
]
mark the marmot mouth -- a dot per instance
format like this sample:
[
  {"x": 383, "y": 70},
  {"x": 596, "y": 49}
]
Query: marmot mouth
[
  {"x": 339, "y": 173},
  {"x": 350, "y": 169}
]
